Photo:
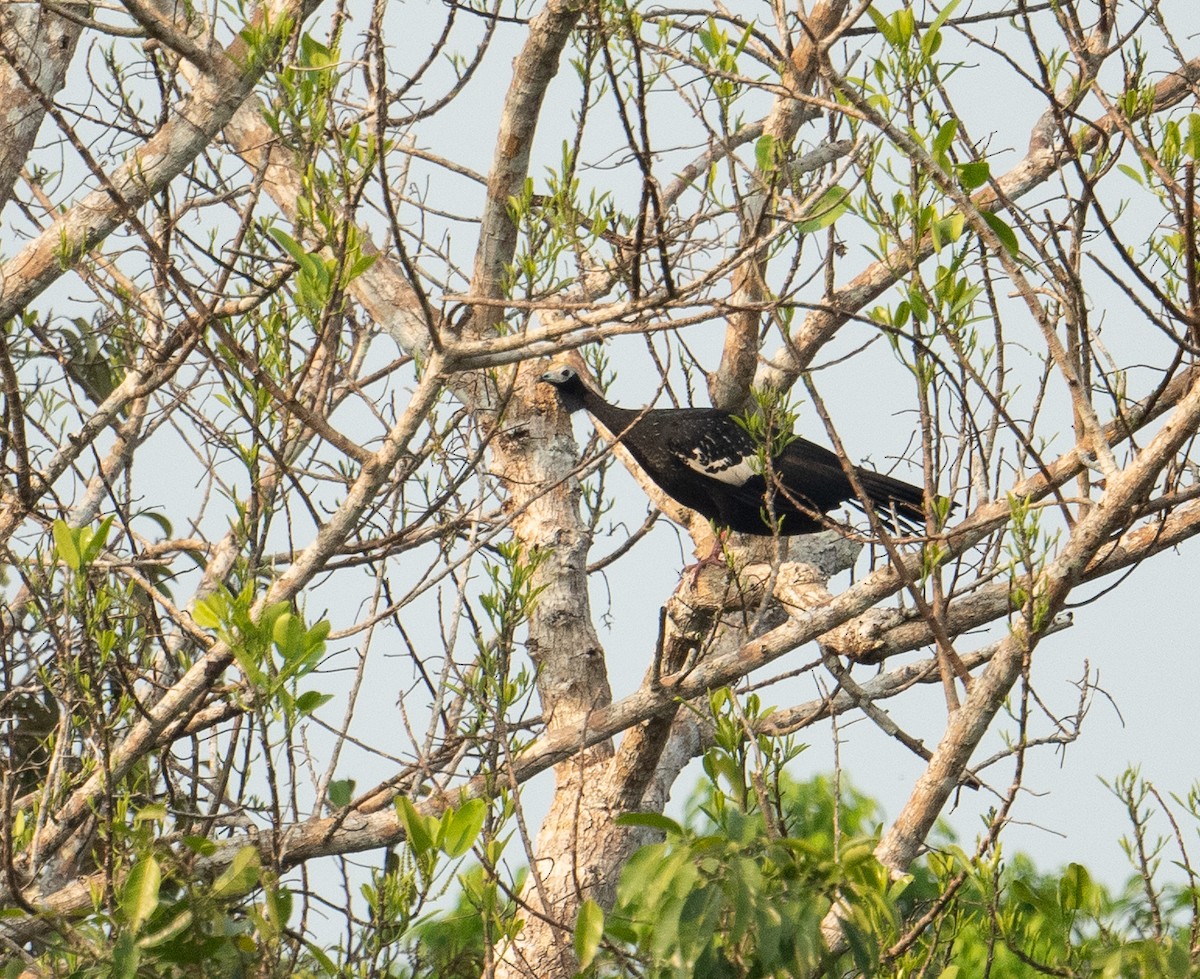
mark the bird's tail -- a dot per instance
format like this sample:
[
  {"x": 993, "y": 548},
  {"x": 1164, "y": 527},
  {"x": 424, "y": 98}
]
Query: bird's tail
[{"x": 900, "y": 505}]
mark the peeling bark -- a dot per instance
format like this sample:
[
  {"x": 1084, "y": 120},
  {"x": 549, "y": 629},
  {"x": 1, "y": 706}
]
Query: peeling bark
[{"x": 42, "y": 44}]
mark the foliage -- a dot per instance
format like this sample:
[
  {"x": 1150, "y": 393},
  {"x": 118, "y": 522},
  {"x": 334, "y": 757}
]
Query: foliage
[
  {"x": 723, "y": 895},
  {"x": 306, "y": 585}
]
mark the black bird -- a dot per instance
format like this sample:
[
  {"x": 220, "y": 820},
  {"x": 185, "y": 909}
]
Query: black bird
[{"x": 703, "y": 459}]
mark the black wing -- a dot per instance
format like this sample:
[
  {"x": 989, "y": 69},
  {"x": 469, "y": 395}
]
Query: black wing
[
  {"x": 817, "y": 475},
  {"x": 721, "y": 450}
]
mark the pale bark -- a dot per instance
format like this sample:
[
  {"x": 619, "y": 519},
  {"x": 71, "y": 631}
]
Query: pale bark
[
  {"x": 210, "y": 104},
  {"x": 174, "y": 706},
  {"x": 41, "y": 45},
  {"x": 729, "y": 384},
  {"x": 579, "y": 850},
  {"x": 966, "y": 727},
  {"x": 1090, "y": 537},
  {"x": 535, "y": 451},
  {"x": 366, "y": 830}
]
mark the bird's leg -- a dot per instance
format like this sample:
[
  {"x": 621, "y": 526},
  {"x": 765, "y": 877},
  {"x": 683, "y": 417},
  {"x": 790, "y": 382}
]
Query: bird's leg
[{"x": 714, "y": 556}]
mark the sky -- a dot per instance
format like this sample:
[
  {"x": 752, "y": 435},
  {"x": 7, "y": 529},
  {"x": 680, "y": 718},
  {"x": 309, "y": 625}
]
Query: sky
[{"x": 1139, "y": 642}]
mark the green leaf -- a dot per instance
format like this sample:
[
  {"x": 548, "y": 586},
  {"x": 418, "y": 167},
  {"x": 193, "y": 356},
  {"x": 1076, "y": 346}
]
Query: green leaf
[
  {"x": 164, "y": 524},
  {"x": 180, "y": 922},
  {"x": 326, "y": 963},
  {"x": 1191, "y": 143},
  {"x": 200, "y": 845},
  {"x": 897, "y": 30},
  {"x": 883, "y": 25},
  {"x": 741, "y": 45},
  {"x": 240, "y": 876},
  {"x": 460, "y": 827},
  {"x": 861, "y": 946},
  {"x": 139, "y": 895},
  {"x": 290, "y": 245},
  {"x": 826, "y": 209},
  {"x": 916, "y": 302},
  {"x": 288, "y": 634},
  {"x": 315, "y": 54},
  {"x": 312, "y": 700},
  {"x": 125, "y": 958},
  {"x": 340, "y": 792},
  {"x": 1076, "y": 892},
  {"x": 651, "y": 820},
  {"x": 946, "y": 230},
  {"x": 418, "y": 829},
  {"x": 273, "y": 914},
  {"x": 945, "y": 136},
  {"x": 95, "y": 541},
  {"x": 764, "y": 153},
  {"x": 972, "y": 175},
  {"x": 205, "y": 615},
  {"x": 1006, "y": 234},
  {"x": 621, "y": 931},
  {"x": 1130, "y": 172},
  {"x": 589, "y": 929},
  {"x": 944, "y": 16},
  {"x": 152, "y": 812},
  {"x": 300, "y": 648},
  {"x": 358, "y": 267},
  {"x": 314, "y": 642},
  {"x": 1172, "y": 138},
  {"x": 932, "y": 36},
  {"x": 1024, "y": 894},
  {"x": 65, "y": 545},
  {"x": 698, "y": 918}
]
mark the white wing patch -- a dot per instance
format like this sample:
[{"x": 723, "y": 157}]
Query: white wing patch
[
  {"x": 726, "y": 469},
  {"x": 723, "y": 453}
]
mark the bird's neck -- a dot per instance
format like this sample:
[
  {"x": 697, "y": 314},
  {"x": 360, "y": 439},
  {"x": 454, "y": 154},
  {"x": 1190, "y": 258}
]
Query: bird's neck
[{"x": 612, "y": 417}]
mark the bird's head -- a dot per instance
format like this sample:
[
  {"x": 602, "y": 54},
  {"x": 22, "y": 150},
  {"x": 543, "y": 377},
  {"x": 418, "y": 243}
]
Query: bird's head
[{"x": 569, "y": 385}]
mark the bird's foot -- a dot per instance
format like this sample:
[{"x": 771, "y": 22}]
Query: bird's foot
[{"x": 715, "y": 557}]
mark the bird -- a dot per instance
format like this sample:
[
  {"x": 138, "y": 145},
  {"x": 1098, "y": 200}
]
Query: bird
[{"x": 704, "y": 459}]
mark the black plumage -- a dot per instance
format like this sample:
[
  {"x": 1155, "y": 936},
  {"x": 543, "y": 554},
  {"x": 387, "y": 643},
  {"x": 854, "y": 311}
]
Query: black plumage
[{"x": 705, "y": 460}]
